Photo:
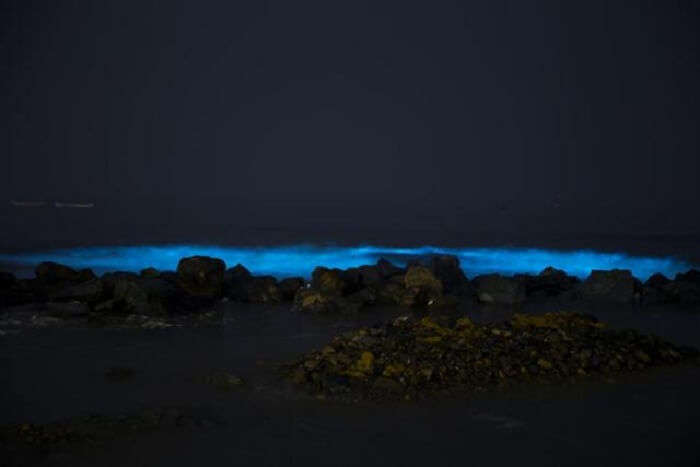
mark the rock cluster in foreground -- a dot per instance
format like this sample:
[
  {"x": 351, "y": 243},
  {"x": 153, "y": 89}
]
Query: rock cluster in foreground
[{"x": 409, "y": 359}]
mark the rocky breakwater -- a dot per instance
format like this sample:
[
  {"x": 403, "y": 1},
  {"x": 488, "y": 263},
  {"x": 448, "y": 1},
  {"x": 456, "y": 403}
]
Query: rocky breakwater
[
  {"x": 416, "y": 358},
  {"x": 190, "y": 294}
]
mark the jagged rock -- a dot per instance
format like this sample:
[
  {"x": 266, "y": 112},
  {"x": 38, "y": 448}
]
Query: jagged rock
[
  {"x": 657, "y": 281},
  {"x": 616, "y": 285},
  {"x": 86, "y": 292},
  {"x": 692, "y": 276},
  {"x": 236, "y": 280},
  {"x": 653, "y": 290},
  {"x": 289, "y": 287},
  {"x": 550, "y": 282},
  {"x": 447, "y": 270},
  {"x": 386, "y": 269},
  {"x": 328, "y": 281},
  {"x": 685, "y": 288},
  {"x": 201, "y": 276},
  {"x": 263, "y": 289},
  {"x": 126, "y": 293},
  {"x": 49, "y": 272},
  {"x": 149, "y": 273},
  {"x": 422, "y": 287},
  {"x": 494, "y": 288}
]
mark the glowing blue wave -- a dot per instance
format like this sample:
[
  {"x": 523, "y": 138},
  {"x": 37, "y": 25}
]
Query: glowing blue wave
[{"x": 286, "y": 261}]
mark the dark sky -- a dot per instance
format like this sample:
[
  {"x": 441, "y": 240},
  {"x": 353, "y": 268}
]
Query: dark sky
[{"x": 569, "y": 115}]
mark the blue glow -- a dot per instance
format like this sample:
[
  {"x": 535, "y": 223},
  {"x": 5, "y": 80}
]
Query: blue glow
[{"x": 299, "y": 260}]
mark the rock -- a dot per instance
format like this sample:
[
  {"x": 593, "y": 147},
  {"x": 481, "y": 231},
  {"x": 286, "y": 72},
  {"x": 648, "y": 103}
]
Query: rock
[
  {"x": 370, "y": 276},
  {"x": 447, "y": 270},
  {"x": 201, "y": 276},
  {"x": 657, "y": 281},
  {"x": 390, "y": 293},
  {"x": 86, "y": 292},
  {"x": 263, "y": 289},
  {"x": 49, "y": 272},
  {"x": 434, "y": 355},
  {"x": 682, "y": 291},
  {"x": 289, "y": 287},
  {"x": 616, "y": 285},
  {"x": 386, "y": 269},
  {"x": 692, "y": 276},
  {"x": 7, "y": 280},
  {"x": 421, "y": 286},
  {"x": 550, "y": 282},
  {"x": 126, "y": 294},
  {"x": 494, "y": 288},
  {"x": 327, "y": 281},
  {"x": 653, "y": 290},
  {"x": 314, "y": 301},
  {"x": 149, "y": 273}
]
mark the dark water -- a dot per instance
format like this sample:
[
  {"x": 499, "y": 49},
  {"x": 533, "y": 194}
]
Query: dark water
[{"x": 50, "y": 374}]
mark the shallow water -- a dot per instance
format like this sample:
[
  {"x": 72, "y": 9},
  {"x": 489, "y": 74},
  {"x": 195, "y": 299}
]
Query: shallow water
[
  {"x": 299, "y": 260},
  {"x": 55, "y": 373}
]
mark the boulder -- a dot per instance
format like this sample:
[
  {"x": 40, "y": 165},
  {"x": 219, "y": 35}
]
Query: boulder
[
  {"x": 201, "y": 276},
  {"x": 236, "y": 282},
  {"x": 494, "y": 288},
  {"x": 126, "y": 293},
  {"x": 550, "y": 282},
  {"x": 289, "y": 287},
  {"x": 263, "y": 289},
  {"x": 85, "y": 292},
  {"x": 653, "y": 290},
  {"x": 49, "y": 272},
  {"x": 448, "y": 271},
  {"x": 328, "y": 281},
  {"x": 685, "y": 288},
  {"x": 149, "y": 273},
  {"x": 616, "y": 285},
  {"x": 386, "y": 269},
  {"x": 422, "y": 287},
  {"x": 692, "y": 276}
]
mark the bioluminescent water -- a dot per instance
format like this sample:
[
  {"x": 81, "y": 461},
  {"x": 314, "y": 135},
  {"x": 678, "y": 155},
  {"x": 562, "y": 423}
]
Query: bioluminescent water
[{"x": 300, "y": 260}]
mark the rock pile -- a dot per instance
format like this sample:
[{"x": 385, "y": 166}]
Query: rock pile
[
  {"x": 413, "y": 358},
  {"x": 429, "y": 283}
]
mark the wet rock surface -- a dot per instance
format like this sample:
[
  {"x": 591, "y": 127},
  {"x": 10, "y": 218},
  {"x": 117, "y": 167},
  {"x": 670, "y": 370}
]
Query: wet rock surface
[{"x": 412, "y": 358}]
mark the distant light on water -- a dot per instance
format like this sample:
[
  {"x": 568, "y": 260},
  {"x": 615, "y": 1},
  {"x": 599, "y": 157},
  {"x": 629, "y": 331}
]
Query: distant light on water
[{"x": 286, "y": 261}]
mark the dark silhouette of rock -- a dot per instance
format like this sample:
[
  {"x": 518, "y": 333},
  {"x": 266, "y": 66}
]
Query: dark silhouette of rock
[
  {"x": 447, "y": 269},
  {"x": 201, "y": 276},
  {"x": 289, "y": 287},
  {"x": 616, "y": 285},
  {"x": 328, "y": 281},
  {"x": 149, "y": 273},
  {"x": 49, "y": 272},
  {"x": 494, "y": 288},
  {"x": 422, "y": 287},
  {"x": 550, "y": 282},
  {"x": 386, "y": 269}
]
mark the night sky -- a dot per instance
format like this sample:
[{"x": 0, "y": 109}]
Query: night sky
[{"x": 490, "y": 116}]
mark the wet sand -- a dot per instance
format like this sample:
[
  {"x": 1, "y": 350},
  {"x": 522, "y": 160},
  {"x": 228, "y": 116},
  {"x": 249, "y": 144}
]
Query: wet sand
[{"x": 53, "y": 374}]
